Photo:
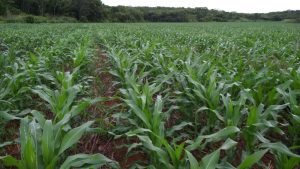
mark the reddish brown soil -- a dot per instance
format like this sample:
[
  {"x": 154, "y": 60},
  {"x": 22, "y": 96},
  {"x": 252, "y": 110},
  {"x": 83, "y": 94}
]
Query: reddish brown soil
[
  {"x": 174, "y": 117},
  {"x": 268, "y": 159},
  {"x": 115, "y": 148},
  {"x": 12, "y": 134},
  {"x": 112, "y": 148}
]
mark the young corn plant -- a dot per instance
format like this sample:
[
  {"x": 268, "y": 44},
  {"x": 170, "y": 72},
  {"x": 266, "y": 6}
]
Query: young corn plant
[
  {"x": 12, "y": 86},
  {"x": 146, "y": 116},
  {"x": 259, "y": 122},
  {"x": 149, "y": 127},
  {"x": 284, "y": 157},
  {"x": 210, "y": 160},
  {"x": 169, "y": 154},
  {"x": 44, "y": 145},
  {"x": 143, "y": 114},
  {"x": 81, "y": 53},
  {"x": 17, "y": 79},
  {"x": 203, "y": 92},
  {"x": 174, "y": 156},
  {"x": 291, "y": 97},
  {"x": 234, "y": 110},
  {"x": 122, "y": 64},
  {"x": 63, "y": 101},
  {"x": 284, "y": 161}
]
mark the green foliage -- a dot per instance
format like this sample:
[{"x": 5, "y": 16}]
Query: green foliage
[
  {"x": 37, "y": 19},
  {"x": 210, "y": 160},
  {"x": 95, "y": 11},
  {"x": 31, "y": 71},
  {"x": 43, "y": 146},
  {"x": 218, "y": 82},
  {"x": 62, "y": 102},
  {"x": 188, "y": 95},
  {"x": 29, "y": 19}
]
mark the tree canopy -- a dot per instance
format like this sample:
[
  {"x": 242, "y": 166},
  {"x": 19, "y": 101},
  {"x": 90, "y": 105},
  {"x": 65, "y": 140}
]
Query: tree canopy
[{"x": 96, "y": 11}]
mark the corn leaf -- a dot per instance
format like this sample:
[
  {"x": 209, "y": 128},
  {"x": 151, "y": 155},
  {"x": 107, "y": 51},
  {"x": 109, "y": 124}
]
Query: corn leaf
[{"x": 73, "y": 136}]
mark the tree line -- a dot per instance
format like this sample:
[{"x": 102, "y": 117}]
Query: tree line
[{"x": 96, "y": 11}]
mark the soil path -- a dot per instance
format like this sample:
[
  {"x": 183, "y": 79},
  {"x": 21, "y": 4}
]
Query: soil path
[{"x": 104, "y": 144}]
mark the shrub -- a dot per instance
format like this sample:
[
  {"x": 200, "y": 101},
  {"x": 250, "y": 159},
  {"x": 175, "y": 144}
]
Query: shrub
[{"x": 29, "y": 19}]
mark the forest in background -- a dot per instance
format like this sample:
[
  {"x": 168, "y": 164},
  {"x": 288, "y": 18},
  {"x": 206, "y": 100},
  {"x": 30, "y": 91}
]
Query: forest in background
[{"x": 96, "y": 11}]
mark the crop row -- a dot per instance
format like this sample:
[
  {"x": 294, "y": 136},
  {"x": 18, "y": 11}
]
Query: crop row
[
  {"x": 45, "y": 87},
  {"x": 212, "y": 95}
]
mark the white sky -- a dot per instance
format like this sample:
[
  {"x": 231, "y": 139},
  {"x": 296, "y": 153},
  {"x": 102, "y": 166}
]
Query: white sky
[{"x": 246, "y": 6}]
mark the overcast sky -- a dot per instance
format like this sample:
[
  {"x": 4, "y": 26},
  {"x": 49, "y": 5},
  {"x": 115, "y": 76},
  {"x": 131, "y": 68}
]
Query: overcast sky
[{"x": 246, "y": 6}]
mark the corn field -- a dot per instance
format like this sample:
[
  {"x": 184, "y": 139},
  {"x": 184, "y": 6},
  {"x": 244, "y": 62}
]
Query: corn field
[{"x": 150, "y": 95}]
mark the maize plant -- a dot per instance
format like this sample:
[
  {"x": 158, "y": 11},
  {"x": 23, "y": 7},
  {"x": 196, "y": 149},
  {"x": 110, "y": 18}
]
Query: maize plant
[
  {"x": 62, "y": 102},
  {"x": 44, "y": 143},
  {"x": 187, "y": 95},
  {"x": 290, "y": 97}
]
